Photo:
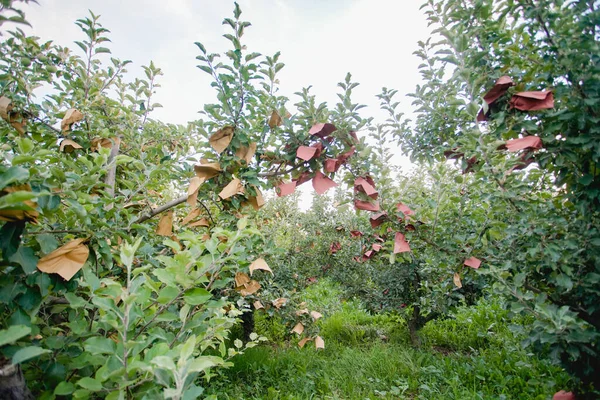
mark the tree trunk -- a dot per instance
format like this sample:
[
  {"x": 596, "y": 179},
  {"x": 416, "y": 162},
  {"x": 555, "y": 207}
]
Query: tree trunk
[
  {"x": 12, "y": 384},
  {"x": 413, "y": 326},
  {"x": 248, "y": 324}
]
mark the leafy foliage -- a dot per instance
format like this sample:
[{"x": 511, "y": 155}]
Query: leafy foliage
[
  {"x": 94, "y": 294},
  {"x": 541, "y": 222}
]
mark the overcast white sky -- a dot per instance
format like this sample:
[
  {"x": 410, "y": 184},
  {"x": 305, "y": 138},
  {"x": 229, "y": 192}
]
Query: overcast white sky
[{"x": 320, "y": 41}]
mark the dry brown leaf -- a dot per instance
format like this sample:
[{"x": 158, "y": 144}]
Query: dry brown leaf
[
  {"x": 207, "y": 170},
  {"x": 302, "y": 312},
  {"x": 400, "y": 243},
  {"x": 472, "y": 262},
  {"x": 257, "y": 201},
  {"x": 195, "y": 213},
  {"x": 165, "y": 225},
  {"x": 250, "y": 288},
  {"x": 456, "y": 280},
  {"x": 298, "y": 329},
  {"x": 258, "y": 305},
  {"x": 241, "y": 279},
  {"x": 71, "y": 116},
  {"x": 303, "y": 342},
  {"x": 5, "y": 107},
  {"x": 18, "y": 122},
  {"x": 532, "y": 101},
  {"x": 259, "y": 263},
  {"x": 192, "y": 193},
  {"x": 201, "y": 222},
  {"x": 286, "y": 189},
  {"x": 275, "y": 120},
  {"x": 306, "y": 152},
  {"x": 234, "y": 187},
  {"x": 319, "y": 343},
  {"x": 99, "y": 142},
  {"x": 67, "y": 260},
  {"x": 136, "y": 204},
  {"x": 69, "y": 146},
  {"x": 366, "y": 205},
  {"x": 19, "y": 215},
  {"x": 246, "y": 153},
  {"x": 316, "y": 315},
  {"x": 154, "y": 193},
  {"x": 221, "y": 138},
  {"x": 280, "y": 302},
  {"x": 322, "y": 183},
  {"x": 526, "y": 143}
]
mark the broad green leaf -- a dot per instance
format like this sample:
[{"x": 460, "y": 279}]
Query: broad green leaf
[
  {"x": 13, "y": 333},
  {"x": 16, "y": 199},
  {"x": 203, "y": 362},
  {"x": 75, "y": 301},
  {"x": 12, "y": 175},
  {"x": 99, "y": 345},
  {"x": 164, "y": 362},
  {"x": 64, "y": 388},
  {"x": 187, "y": 349},
  {"x": 197, "y": 296},
  {"x": 90, "y": 384},
  {"x": 28, "y": 353},
  {"x": 26, "y": 258},
  {"x": 47, "y": 242}
]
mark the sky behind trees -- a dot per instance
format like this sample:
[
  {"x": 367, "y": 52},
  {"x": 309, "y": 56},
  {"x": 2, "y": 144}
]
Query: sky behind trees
[{"x": 320, "y": 42}]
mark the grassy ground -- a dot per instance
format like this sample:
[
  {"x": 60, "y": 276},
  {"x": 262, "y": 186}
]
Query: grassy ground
[{"x": 472, "y": 355}]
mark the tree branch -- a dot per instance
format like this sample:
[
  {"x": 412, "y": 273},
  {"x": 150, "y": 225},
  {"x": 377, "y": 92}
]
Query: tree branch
[
  {"x": 111, "y": 176},
  {"x": 278, "y": 173},
  {"x": 161, "y": 209}
]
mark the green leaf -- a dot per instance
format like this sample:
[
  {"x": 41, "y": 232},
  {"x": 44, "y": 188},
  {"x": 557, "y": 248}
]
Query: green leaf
[
  {"x": 75, "y": 301},
  {"x": 12, "y": 175},
  {"x": 64, "y": 388},
  {"x": 26, "y": 258},
  {"x": 27, "y": 353},
  {"x": 13, "y": 333},
  {"x": 203, "y": 362},
  {"x": 201, "y": 47},
  {"x": 25, "y": 144},
  {"x": 47, "y": 242},
  {"x": 197, "y": 296},
  {"x": 90, "y": 384},
  {"x": 188, "y": 348},
  {"x": 167, "y": 294},
  {"x": 99, "y": 345},
  {"x": 586, "y": 179},
  {"x": 17, "y": 198},
  {"x": 164, "y": 362},
  {"x": 10, "y": 237}
]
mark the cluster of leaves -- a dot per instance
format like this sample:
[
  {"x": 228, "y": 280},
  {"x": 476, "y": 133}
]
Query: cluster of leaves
[
  {"x": 97, "y": 297},
  {"x": 542, "y": 214}
]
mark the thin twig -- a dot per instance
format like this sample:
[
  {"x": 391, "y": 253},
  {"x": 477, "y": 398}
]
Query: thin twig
[
  {"x": 47, "y": 125},
  {"x": 57, "y": 231},
  {"x": 208, "y": 212}
]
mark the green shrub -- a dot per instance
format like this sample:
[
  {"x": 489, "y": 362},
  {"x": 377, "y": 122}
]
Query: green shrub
[
  {"x": 271, "y": 326},
  {"x": 467, "y": 328}
]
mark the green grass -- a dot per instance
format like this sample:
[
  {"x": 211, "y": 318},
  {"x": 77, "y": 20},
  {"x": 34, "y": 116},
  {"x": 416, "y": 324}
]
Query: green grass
[
  {"x": 471, "y": 355},
  {"x": 388, "y": 371}
]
